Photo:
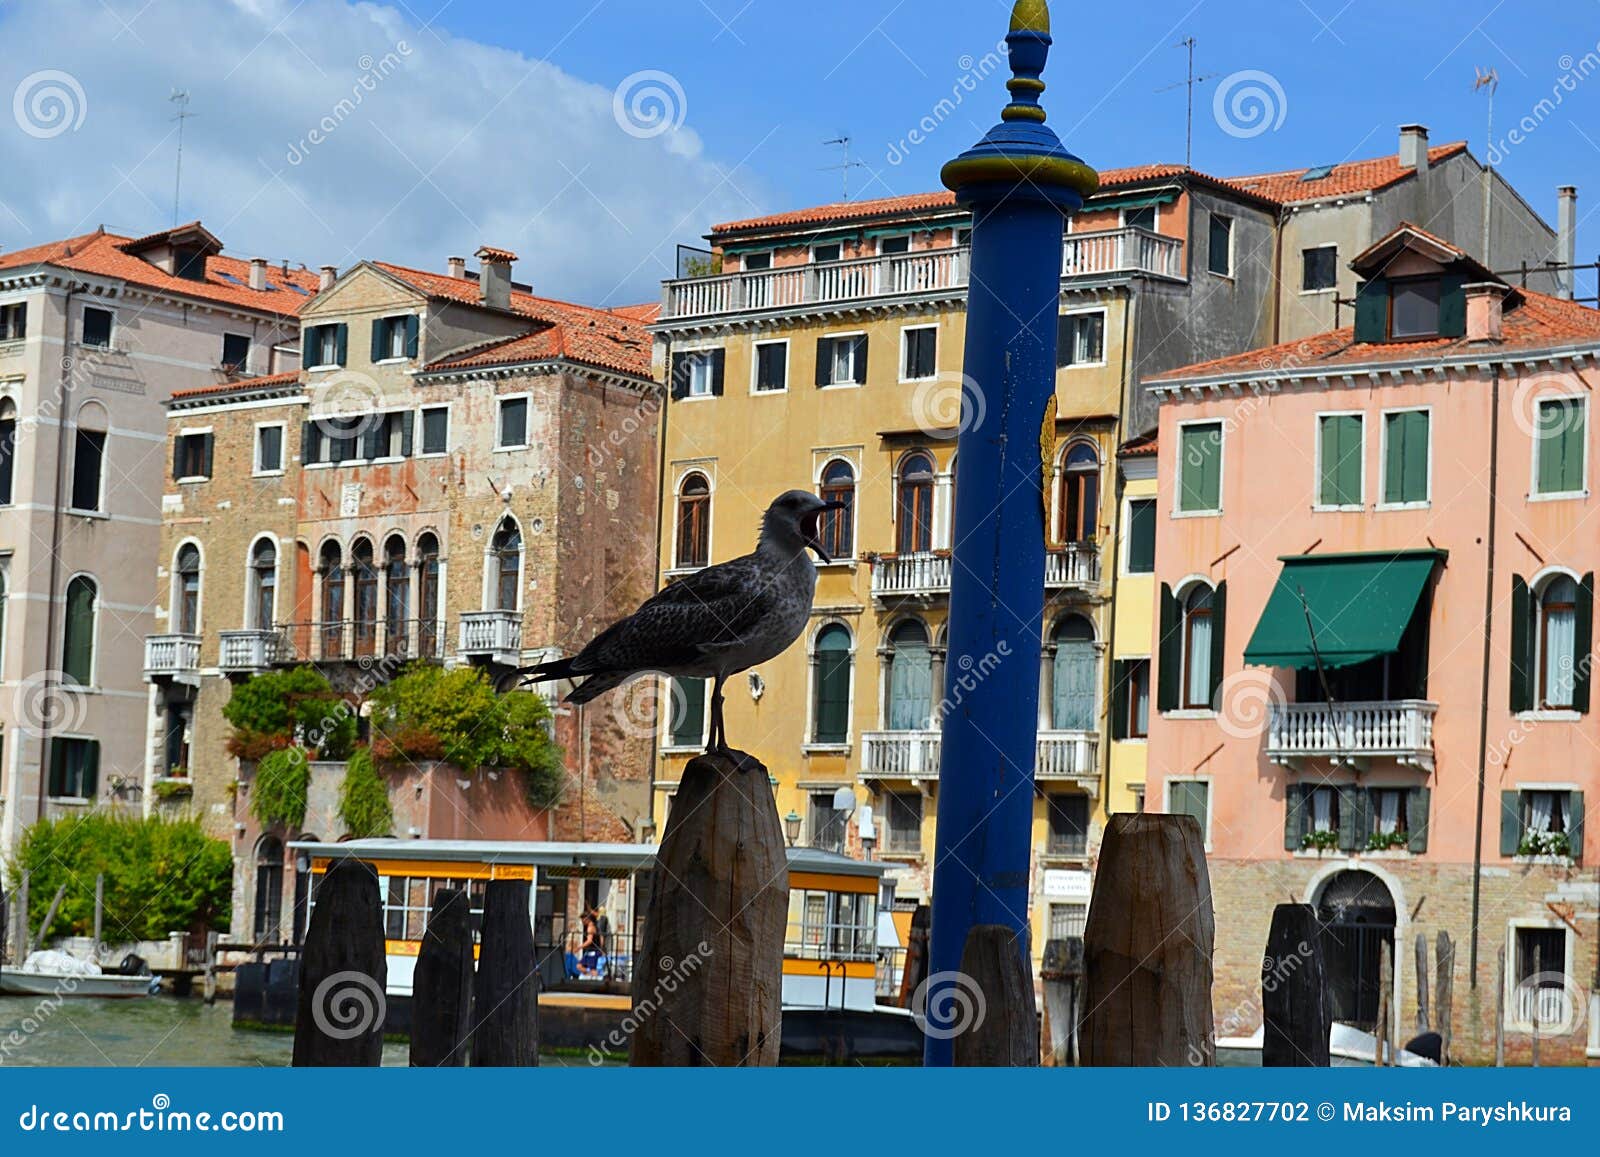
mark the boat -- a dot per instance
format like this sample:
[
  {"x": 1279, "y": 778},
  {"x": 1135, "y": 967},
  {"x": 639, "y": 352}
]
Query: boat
[
  {"x": 58, "y": 975},
  {"x": 1348, "y": 1047}
]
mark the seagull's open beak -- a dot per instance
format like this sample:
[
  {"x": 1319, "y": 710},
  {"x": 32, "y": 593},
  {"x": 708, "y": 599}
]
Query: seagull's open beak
[{"x": 813, "y": 528}]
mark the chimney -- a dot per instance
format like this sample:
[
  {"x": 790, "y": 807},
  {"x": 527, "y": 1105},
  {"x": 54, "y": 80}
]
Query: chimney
[
  {"x": 458, "y": 267},
  {"x": 1485, "y": 310},
  {"x": 1567, "y": 237},
  {"x": 258, "y": 274},
  {"x": 494, "y": 276},
  {"x": 1414, "y": 147},
  {"x": 330, "y": 273}
]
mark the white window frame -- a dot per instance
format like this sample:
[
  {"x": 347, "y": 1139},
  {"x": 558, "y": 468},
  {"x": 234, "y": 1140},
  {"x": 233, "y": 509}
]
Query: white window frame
[
  {"x": 1105, "y": 323},
  {"x": 448, "y": 427},
  {"x": 1181, "y": 593},
  {"x": 1573, "y": 990},
  {"x": 878, "y": 244},
  {"x": 175, "y": 592},
  {"x": 1211, "y": 798},
  {"x": 815, "y": 260},
  {"x": 111, "y": 338},
  {"x": 702, "y": 356},
  {"x": 1316, "y": 454},
  {"x": 833, "y": 364},
  {"x": 822, "y": 460},
  {"x": 99, "y": 510},
  {"x": 49, "y": 756},
  {"x": 1383, "y": 458},
  {"x": 92, "y": 687},
  {"x": 705, "y": 467},
  {"x": 249, "y": 349},
  {"x": 755, "y": 366},
  {"x": 1155, "y": 218},
  {"x": 1222, "y": 469},
  {"x": 670, "y": 746},
  {"x": 197, "y": 431},
  {"x": 256, "y": 469},
  {"x": 808, "y": 746},
  {"x": 249, "y": 579},
  {"x": 1534, "y": 493},
  {"x": 1232, "y": 230},
  {"x": 499, "y": 423},
  {"x": 320, "y": 365},
  {"x": 1334, "y": 288},
  {"x": 905, "y": 350}
]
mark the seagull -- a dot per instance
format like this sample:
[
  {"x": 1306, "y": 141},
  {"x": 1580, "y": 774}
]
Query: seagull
[{"x": 715, "y": 622}]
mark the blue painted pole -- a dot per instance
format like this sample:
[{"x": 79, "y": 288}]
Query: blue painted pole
[{"x": 1020, "y": 184}]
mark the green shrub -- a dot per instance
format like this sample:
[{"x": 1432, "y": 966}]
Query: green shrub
[
  {"x": 364, "y": 799},
  {"x": 278, "y": 791},
  {"x": 273, "y": 710},
  {"x": 161, "y": 875}
]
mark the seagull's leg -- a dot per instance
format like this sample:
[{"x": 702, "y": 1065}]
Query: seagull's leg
[{"x": 718, "y": 737}]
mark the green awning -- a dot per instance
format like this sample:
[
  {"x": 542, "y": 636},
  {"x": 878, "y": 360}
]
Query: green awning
[{"x": 1360, "y": 606}]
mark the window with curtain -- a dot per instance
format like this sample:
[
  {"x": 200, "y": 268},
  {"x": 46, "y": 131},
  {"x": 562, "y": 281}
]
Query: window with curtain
[
  {"x": 1200, "y": 468},
  {"x": 1080, "y": 494},
  {"x": 1559, "y": 437},
  {"x": 505, "y": 551},
  {"x": 1197, "y": 648},
  {"x": 366, "y": 598},
  {"x": 1557, "y": 636},
  {"x": 428, "y": 596},
  {"x": 1389, "y": 811},
  {"x": 1323, "y": 808},
  {"x": 77, "y": 641},
  {"x": 74, "y": 768},
  {"x": 694, "y": 522},
  {"x": 186, "y": 590},
  {"x": 831, "y": 690},
  {"x": 837, "y": 530},
  {"x": 397, "y": 595},
  {"x": 914, "y": 505},
  {"x": 910, "y": 703},
  {"x": 263, "y": 584},
  {"x": 1073, "y": 662},
  {"x": 1339, "y": 460},
  {"x": 1405, "y": 457}
]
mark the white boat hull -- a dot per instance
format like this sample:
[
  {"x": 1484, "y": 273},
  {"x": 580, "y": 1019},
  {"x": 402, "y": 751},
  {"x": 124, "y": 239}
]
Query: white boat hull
[{"x": 61, "y": 984}]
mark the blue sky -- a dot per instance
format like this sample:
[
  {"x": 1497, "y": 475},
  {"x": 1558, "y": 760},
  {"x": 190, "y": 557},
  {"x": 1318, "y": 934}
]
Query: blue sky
[{"x": 496, "y": 122}]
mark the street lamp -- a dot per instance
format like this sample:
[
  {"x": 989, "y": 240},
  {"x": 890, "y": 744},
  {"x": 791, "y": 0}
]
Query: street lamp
[{"x": 791, "y": 826}]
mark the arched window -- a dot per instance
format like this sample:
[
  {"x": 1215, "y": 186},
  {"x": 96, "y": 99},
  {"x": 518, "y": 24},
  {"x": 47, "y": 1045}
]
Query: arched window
[
  {"x": 838, "y": 529},
  {"x": 2, "y": 618},
  {"x": 831, "y": 685},
  {"x": 263, "y": 584},
  {"x": 910, "y": 682},
  {"x": 366, "y": 605},
  {"x": 428, "y": 596},
  {"x": 1074, "y": 665},
  {"x": 1556, "y": 640},
  {"x": 1197, "y": 627},
  {"x": 397, "y": 596},
  {"x": 505, "y": 555},
  {"x": 269, "y": 890},
  {"x": 1080, "y": 494},
  {"x": 914, "y": 505},
  {"x": 186, "y": 590},
  {"x": 88, "y": 458},
  {"x": 8, "y": 448},
  {"x": 694, "y": 521},
  {"x": 77, "y": 641},
  {"x": 332, "y": 567}
]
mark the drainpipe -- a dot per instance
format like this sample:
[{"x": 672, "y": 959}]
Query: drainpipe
[
  {"x": 1116, "y": 537},
  {"x": 661, "y": 514},
  {"x": 52, "y": 674},
  {"x": 1488, "y": 635}
]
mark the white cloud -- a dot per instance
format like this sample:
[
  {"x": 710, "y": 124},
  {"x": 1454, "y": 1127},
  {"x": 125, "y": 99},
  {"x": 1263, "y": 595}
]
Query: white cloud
[{"x": 327, "y": 132}]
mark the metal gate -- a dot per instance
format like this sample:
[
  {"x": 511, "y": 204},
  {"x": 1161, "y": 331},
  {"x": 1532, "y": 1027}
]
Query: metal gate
[{"x": 1357, "y": 917}]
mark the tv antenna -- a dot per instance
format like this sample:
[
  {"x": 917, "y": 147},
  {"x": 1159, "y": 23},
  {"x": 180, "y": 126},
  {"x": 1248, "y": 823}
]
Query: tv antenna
[
  {"x": 1188, "y": 132},
  {"x": 1487, "y": 79},
  {"x": 843, "y": 169},
  {"x": 181, "y": 100}
]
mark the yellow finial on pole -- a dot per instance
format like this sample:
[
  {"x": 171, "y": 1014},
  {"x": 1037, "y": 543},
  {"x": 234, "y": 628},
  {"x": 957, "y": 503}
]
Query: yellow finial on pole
[{"x": 1031, "y": 16}]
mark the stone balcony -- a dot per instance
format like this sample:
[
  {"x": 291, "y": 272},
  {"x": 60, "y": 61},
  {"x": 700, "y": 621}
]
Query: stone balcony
[
  {"x": 492, "y": 636},
  {"x": 1401, "y": 730},
  {"x": 926, "y": 574},
  {"x": 1060, "y": 757},
  {"x": 1075, "y": 566},
  {"x": 171, "y": 657},
  {"x": 248, "y": 652}
]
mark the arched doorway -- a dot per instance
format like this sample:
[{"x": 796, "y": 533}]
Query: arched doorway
[
  {"x": 1356, "y": 911},
  {"x": 268, "y": 928}
]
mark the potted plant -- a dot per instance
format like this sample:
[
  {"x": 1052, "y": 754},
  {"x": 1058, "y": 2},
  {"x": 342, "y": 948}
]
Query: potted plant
[
  {"x": 1388, "y": 841},
  {"x": 1545, "y": 844},
  {"x": 1320, "y": 841}
]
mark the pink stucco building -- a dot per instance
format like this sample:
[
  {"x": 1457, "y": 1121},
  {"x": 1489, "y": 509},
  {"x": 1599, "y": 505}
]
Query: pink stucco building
[{"x": 1375, "y": 563}]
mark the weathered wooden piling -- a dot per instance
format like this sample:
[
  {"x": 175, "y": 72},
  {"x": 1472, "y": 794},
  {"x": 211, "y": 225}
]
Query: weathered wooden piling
[
  {"x": 1445, "y": 992},
  {"x": 915, "y": 969},
  {"x": 1148, "y": 946},
  {"x": 707, "y": 988},
  {"x": 341, "y": 1005},
  {"x": 49, "y": 919},
  {"x": 441, "y": 1001},
  {"x": 1384, "y": 1049},
  {"x": 505, "y": 1016},
  {"x": 1423, "y": 975},
  {"x": 1000, "y": 1025},
  {"x": 1061, "y": 977},
  {"x": 1294, "y": 992}
]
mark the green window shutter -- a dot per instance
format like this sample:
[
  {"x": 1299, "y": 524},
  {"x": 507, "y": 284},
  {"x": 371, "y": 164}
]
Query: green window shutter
[
  {"x": 1170, "y": 651},
  {"x": 380, "y": 335},
  {"x": 375, "y": 441},
  {"x": 1510, "y": 822},
  {"x": 58, "y": 767},
  {"x": 1352, "y": 818},
  {"x": 861, "y": 360},
  {"x": 1575, "y": 823},
  {"x": 89, "y": 782},
  {"x": 680, "y": 376},
  {"x": 407, "y": 432},
  {"x": 341, "y": 344},
  {"x": 1560, "y": 431},
  {"x": 1417, "y": 818},
  {"x": 1119, "y": 698},
  {"x": 688, "y": 724},
  {"x": 1521, "y": 645},
  {"x": 1372, "y": 310},
  {"x": 1200, "y": 467},
  {"x": 413, "y": 329},
  {"x": 1142, "y": 536},
  {"x": 1294, "y": 817},
  {"x": 78, "y": 640},
  {"x": 1219, "y": 635},
  {"x": 208, "y": 444},
  {"x": 824, "y": 361},
  {"x": 1405, "y": 465},
  {"x": 1583, "y": 643},
  {"x": 719, "y": 370},
  {"x": 1341, "y": 460},
  {"x": 1452, "y": 305},
  {"x": 308, "y": 345},
  {"x": 833, "y": 696}
]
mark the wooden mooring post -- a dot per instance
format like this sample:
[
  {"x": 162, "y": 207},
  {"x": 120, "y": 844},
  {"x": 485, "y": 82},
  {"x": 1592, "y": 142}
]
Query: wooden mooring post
[
  {"x": 1384, "y": 1048},
  {"x": 341, "y": 1004},
  {"x": 707, "y": 988},
  {"x": 1297, "y": 1018},
  {"x": 49, "y": 919},
  {"x": 1444, "y": 993},
  {"x": 441, "y": 1001},
  {"x": 1061, "y": 977},
  {"x": 1000, "y": 1029},
  {"x": 1148, "y": 947},
  {"x": 505, "y": 1019},
  {"x": 1422, "y": 982}
]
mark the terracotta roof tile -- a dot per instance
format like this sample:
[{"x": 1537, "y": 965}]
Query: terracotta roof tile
[
  {"x": 1289, "y": 186},
  {"x": 243, "y": 385},
  {"x": 1144, "y": 446}
]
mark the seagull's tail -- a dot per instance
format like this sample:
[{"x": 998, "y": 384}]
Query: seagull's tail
[{"x": 598, "y": 684}]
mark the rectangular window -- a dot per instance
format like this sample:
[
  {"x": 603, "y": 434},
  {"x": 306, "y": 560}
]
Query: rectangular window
[
  {"x": 269, "y": 449},
  {"x": 1560, "y": 446},
  {"x": 1539, "y": 995},
  {"x": 830, "y": 252},
  {"x": 1391, "y": 823},
  {"x": 1069, "y": 825},
  {"x": 1190, "y": 797},
  {"x": 687, "y": 725},
  {"x": 435, "y": 429},
  {"x": 920, "y": 354},
  {"x": 1414, "y": 308},
  {"x": 1406, "y": 447},
  {"x": 1142, "y": 536},
  {"x": 8, "y": 452},
  {"x": 842, "y": 360},
  {"x": 1551, "y": 823},
  {"x": 513, "y": 423},
  {"x": 88, "y": 465},
  {"x": 191, "y": 457},
  {"x": 96, "y": 326},
  {"x": 827, "y": 823},
  {"x": 1219, "y": 257},
  {"x": 1143, "y": 217},
  {"x": 1200, "y": 468},
  {"x": 1339, "y": 460},
  {"x": 1081, "y": 339},
  {"x": 889, "y": 246},
  {"x": 324, "y": 345},
  {"x": 758, "y": 261},
  {"x": 703, "y": 369},
  {"x": 772, "y": 367},
  {"x": 235, "y": 351},
  {"x": 74, "y": 768},
  {"x": 1067, "y": 921},
  {"x": 1138, "y": 677},
  {"x": 14, "y": 321},
  {"x": 1320, "y": 268},
  {"x": 903, "y": 819}
]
